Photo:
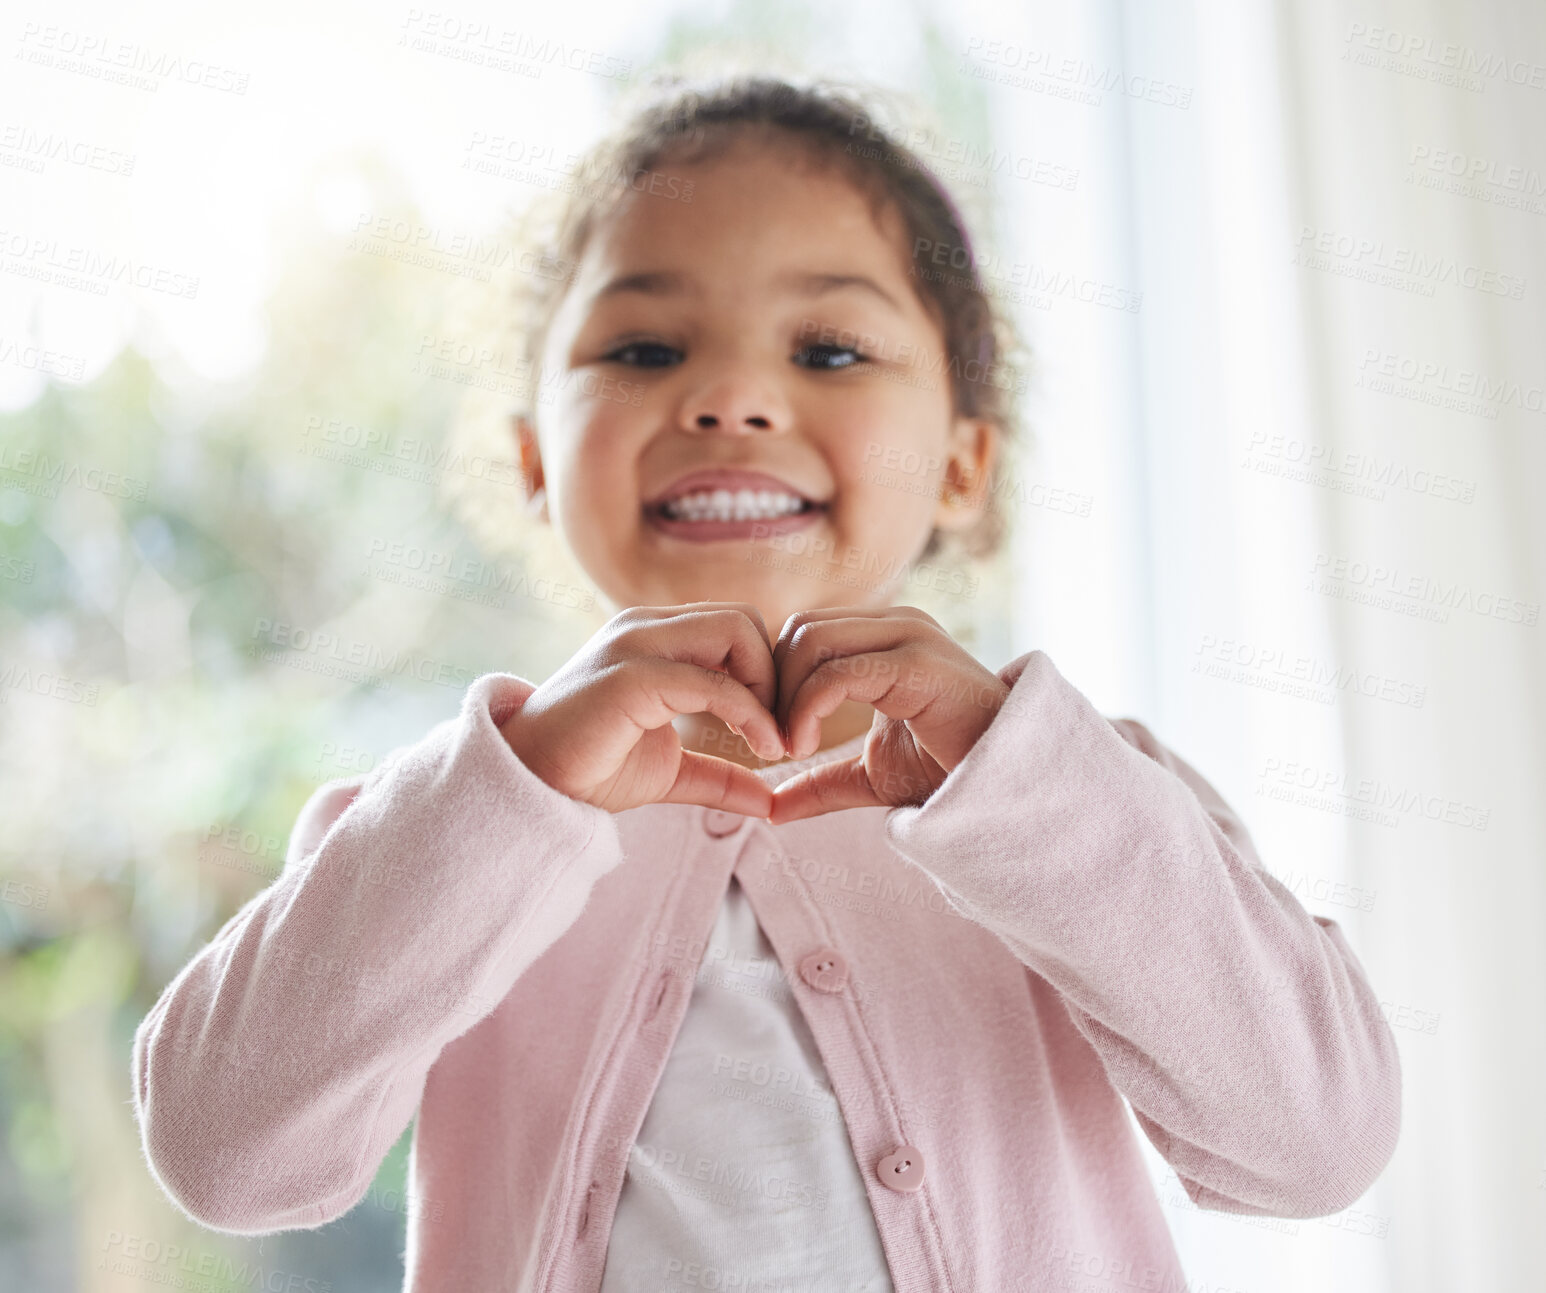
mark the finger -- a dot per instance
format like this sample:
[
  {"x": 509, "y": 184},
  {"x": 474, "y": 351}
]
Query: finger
[
  {"x": 730, "y": 636},
  {"x": 826, "y": 788},
  {"x": 895, "y": 682},
  {"x": 818, "y": 642},
  {"x": 800, "y": 618},
  {"x": 668, "y": 688},
  {"x": 718, "y": 783},
  {"x": 810, "y": 632}
]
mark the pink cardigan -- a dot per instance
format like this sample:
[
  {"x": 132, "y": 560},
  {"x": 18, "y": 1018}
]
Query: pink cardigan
[{"x": 1073, "y": 917}]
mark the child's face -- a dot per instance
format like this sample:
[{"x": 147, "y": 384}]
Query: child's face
[{"x": 738, "y": 361}]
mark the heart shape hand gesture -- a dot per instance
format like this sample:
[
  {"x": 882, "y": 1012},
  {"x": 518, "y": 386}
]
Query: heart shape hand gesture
[
  {"x": 600, "y": 730},
  {"x": 932, "y": 701}
]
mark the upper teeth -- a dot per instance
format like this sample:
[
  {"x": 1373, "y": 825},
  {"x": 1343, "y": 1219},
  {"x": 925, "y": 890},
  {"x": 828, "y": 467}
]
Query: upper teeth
[{"x": 742, "y": 505}]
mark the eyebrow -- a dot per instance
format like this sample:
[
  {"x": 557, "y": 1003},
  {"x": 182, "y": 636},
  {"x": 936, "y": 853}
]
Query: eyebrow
[{"x": 669, "y": 282}]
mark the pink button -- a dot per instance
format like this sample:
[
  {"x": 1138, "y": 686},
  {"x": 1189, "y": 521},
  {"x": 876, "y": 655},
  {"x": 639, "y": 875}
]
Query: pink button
[
  {"x": 718, "y": 822},
  {"x": 902, "y": 1169},
  {"x": 825, "y": 970}
]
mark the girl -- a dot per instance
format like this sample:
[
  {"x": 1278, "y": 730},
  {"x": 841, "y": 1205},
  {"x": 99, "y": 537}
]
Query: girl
[{"x": 773, "y": 943}]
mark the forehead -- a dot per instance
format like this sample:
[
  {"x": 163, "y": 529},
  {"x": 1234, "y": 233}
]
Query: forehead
[{"x": 755, "y": 208}]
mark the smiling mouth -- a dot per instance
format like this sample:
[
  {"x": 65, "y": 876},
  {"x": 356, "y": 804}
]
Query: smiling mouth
[
  {"x": 727, "y": 506},
  {"x": 723, "y": 515}
]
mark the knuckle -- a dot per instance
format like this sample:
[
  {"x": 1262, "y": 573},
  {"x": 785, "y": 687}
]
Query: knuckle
[
  {"x": 742, "y": 618},
  {"x": 622, "y": 629},
  {"x": 796, "y": 622},
  {"x": 802, "y": 634},
  {"x": 624, "y": 642}
]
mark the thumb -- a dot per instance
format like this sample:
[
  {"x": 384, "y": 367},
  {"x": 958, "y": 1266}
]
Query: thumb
[
  {"x": 826, "y": 788},
  {"x": 718, "y": 783}
]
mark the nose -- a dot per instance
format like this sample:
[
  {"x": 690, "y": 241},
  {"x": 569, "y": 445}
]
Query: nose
[{"x": 736, "y": 400}]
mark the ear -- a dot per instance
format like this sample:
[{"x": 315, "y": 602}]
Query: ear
[
  {"x": 973, "y": 453},
  {"x": 530, "y": 454}
]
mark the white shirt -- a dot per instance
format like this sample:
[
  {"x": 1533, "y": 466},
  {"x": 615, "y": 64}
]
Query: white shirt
[{"x": 742, "y": 1178}]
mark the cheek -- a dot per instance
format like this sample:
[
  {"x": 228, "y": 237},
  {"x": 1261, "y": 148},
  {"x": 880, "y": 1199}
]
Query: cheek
[
  {"x": 891, "y": 459},
  {"x": 595, "y": 478}
]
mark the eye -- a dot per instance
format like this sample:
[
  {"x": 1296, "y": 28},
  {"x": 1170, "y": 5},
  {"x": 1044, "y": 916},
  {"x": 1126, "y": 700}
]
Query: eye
[
  {"x": 835, "y": 352},
  {"x": 655, "y": 350}
]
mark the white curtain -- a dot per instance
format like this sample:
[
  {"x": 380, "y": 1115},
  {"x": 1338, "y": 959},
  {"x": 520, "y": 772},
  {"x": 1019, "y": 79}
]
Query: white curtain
[{"x": 1313, "y": 562}]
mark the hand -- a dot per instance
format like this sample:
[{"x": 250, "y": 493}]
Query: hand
[
  {"x": 932, "y": 701},
  {"x": 599, "y": 730}
]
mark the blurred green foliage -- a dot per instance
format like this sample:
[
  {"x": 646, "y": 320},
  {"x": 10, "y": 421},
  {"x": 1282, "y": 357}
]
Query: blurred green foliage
[{"x": 153, "y": 763}]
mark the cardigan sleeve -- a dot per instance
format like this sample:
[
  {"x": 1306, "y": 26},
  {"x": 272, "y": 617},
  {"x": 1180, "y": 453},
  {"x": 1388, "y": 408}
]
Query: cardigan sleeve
[
  {"x": 285, "y": 1059},
  {"x": 1242, "y": 1030}
]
